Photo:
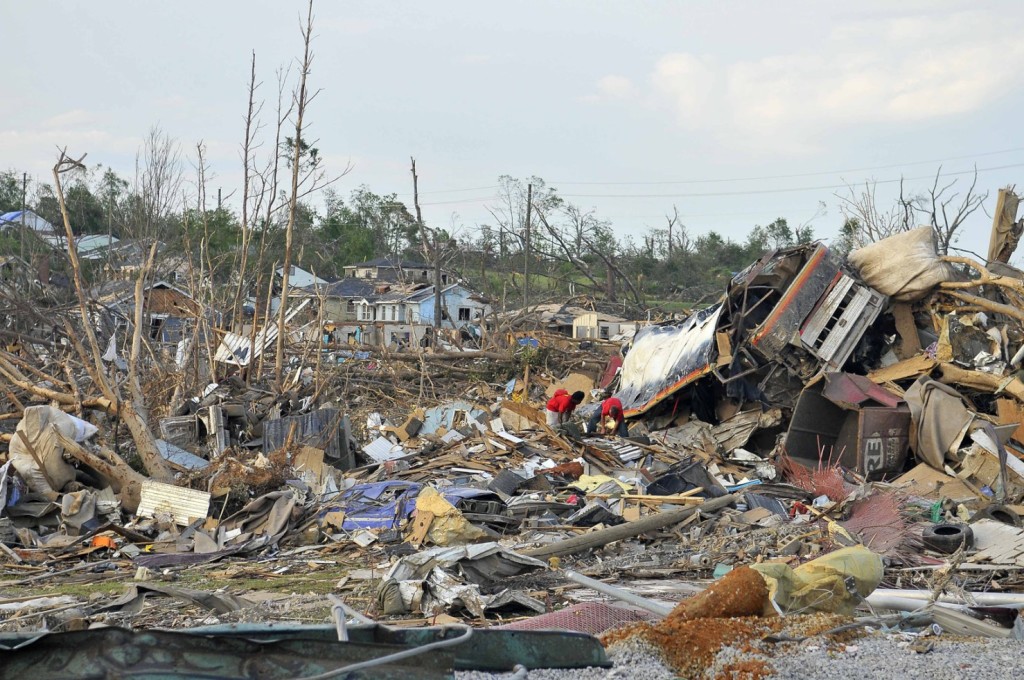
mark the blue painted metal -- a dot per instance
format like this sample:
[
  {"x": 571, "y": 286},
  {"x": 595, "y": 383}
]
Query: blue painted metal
[{"x": 385, "y": 505}]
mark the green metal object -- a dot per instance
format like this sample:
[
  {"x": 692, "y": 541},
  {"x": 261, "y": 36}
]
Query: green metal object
[
  {"x": 272, "y": 651},
  {"x": 166, "y": 655},
  {"x": 491, "y": 649}
]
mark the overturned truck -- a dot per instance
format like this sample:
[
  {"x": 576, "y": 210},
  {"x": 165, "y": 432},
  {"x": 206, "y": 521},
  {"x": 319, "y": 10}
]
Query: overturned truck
[
  {"x": 788, "y": 325},
  {"x": 789, "y": 316}
]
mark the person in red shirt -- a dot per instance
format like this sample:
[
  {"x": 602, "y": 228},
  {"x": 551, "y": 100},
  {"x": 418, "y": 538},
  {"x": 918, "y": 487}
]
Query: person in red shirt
[
  {"x": 609, "y": 419},
  {"x": 561, "y": 406}
]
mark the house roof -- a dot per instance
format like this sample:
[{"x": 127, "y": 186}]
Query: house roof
[
  {"x": 161, "y": 297},
  {"x": 390, "y": 264},
  {"x": 428, "y": 292},
  {"x": 347, "y": 288},
  {"x": 32, "y": 221},
  {"x": 602, "y": 318},
  {"x": 300, "y": 278},
  {"x": 89, "y": 242}
]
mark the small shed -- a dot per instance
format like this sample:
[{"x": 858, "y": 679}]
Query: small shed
[{"x": 596, "y": 326}]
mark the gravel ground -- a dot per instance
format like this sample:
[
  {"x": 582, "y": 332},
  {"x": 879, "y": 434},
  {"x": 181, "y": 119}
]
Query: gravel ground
[
  {"x": 872, "y": 657},
  {"x": 882, "y": 656}
]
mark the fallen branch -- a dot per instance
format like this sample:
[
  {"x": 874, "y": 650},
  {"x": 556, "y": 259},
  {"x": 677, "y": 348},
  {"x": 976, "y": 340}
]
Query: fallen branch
[
  {"x": 951, "y": 374},
  {"x": 597, "y": 539}
]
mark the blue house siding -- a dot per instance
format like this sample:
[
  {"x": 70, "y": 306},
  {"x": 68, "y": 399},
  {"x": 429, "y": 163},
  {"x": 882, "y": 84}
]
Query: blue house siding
[{"x": 452, "y": 300}]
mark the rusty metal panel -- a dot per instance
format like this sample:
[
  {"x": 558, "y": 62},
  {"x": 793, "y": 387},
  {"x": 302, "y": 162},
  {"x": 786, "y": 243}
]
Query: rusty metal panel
[
  {"x": 851, "y": 390},
  {"x": 875, "y": 440},
  {"x": 777, "y": 331},
  {"x": 835, "y": 421}
]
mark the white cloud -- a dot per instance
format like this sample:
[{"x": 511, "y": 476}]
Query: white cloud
[
  {"x": 72, "y": 118},
  {"x": 615, "y": 87},
  {"x": 900, "y": 70},
  {"x": 34, "y": 148}
]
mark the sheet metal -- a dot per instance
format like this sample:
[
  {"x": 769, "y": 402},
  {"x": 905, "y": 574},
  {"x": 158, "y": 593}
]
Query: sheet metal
[
  {"x": 665, "y": 358},
  {"x": 160, "y": 655},
  {"x": 842, "y": 419},
  {"x": 322, "y": 429}
]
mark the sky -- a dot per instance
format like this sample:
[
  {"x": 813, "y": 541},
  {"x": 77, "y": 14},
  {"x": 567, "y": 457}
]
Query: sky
[{"x": 733, "y": 112}]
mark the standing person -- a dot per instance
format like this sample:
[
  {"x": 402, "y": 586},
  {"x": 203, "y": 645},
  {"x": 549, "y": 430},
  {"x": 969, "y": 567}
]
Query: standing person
[
  {"x": 609, "y": 419},
  {"x": 561, "y": 406}
]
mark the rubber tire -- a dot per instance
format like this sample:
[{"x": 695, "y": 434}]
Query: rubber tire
[
  {"x": 947, "y": 538},
  {"x": 999, "y": 513}
]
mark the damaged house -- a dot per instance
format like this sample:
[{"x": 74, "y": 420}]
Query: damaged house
[
  {"x": 396, "y": 271},
  {"x": 788, "y": 319},
  {"x": 169, "y": 312},
  {"x": 402, "y": 315}
]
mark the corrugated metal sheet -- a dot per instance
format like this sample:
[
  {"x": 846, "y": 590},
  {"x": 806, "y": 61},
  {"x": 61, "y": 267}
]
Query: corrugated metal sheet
[
  {"x": 234, "y": 349},
  {"x": 323, "y": 429},
  {"x": 183, "y": 505}
]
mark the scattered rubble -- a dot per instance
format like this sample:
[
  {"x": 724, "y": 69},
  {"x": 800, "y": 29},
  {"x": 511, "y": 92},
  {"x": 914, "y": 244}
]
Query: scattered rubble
[{"x": 829, "y": 444}]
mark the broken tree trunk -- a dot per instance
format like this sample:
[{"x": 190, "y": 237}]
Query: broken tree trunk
[
  {"x": 132, "y": 411},
  {"x": 1006, "y": 230},
  {"x": 16, "y": 378},
  {"x": 126, "y": 482}
]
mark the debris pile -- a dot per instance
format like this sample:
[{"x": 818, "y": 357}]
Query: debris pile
[{"x": 827, "y": 429}]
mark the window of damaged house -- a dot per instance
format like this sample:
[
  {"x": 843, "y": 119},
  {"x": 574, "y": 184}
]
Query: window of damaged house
[
  {"x": 156, "y": 326},
  {"x": 464, "y": 313},
  {"x": 605, "y": 332}
]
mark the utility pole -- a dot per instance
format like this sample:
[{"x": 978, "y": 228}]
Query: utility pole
[
  {"x": 24, "y": 192},
  {"x": 526, "y": 259}
]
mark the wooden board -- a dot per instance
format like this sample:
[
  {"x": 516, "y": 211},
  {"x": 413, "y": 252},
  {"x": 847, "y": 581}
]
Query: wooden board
[
  {"x": 908, "y": 368},
  {"x": 927, "y": 482}
]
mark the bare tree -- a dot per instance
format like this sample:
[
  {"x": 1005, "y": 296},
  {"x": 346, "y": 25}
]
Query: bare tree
[
  {"x": 302, "y": 99},
  {"x": 946, "y": 213},
  {"x": 156, "y": 189},
  {"x": 674, "y": 225},
  {"x": 132, "y": 410},
  {"x": 941, "y": 207},
  {"x": 868, "y": 222},
  {"x": 572, "y": 248},
  {"x": 248, "y": 149}
]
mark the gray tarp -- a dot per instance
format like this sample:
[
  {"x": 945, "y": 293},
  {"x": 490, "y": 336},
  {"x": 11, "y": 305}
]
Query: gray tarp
[{"x": 940, "y": 420}]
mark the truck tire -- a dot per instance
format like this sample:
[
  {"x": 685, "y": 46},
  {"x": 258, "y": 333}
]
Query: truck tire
[{"x": 947, "y": 538}]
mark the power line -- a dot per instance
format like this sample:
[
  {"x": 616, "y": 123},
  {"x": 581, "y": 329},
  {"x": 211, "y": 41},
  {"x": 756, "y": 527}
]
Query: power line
[
  {"x": 466, "y": 200},
  {"x": 726, "y": 180},
  {"x": 792, "y": 176},
  {"x": 455, "y": 191},
  {"x": 748, "y": 192}
]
